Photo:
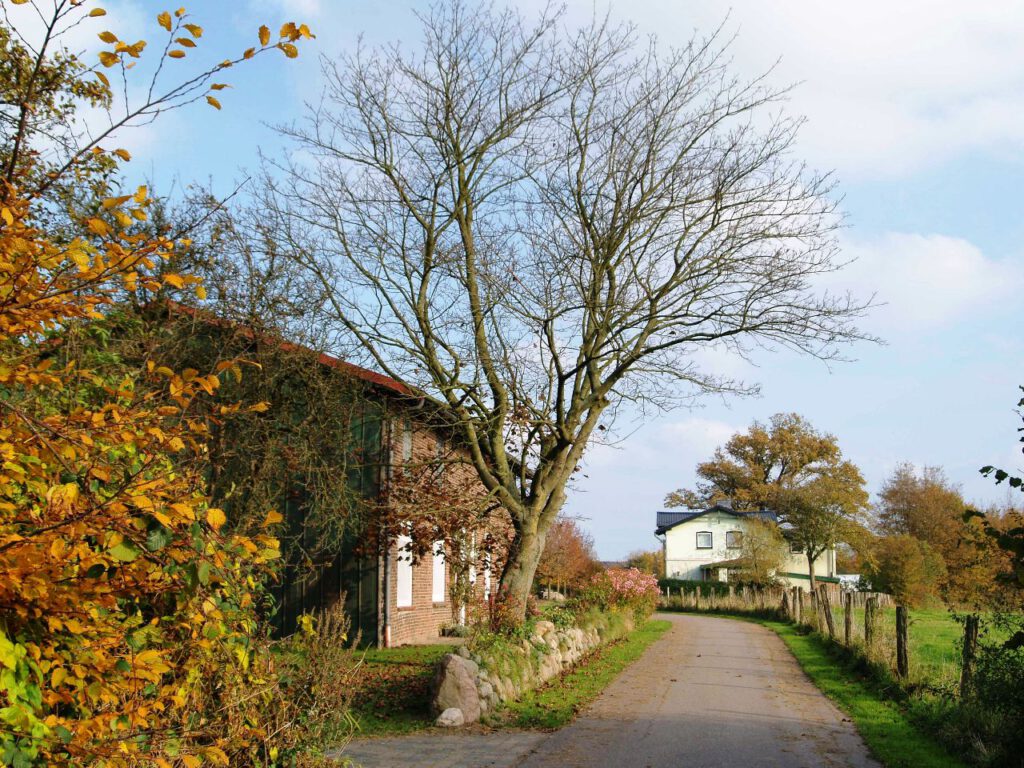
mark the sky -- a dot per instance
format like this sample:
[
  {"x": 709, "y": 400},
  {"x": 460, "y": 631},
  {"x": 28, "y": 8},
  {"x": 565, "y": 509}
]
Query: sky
[{"x": 917, "y": 107}]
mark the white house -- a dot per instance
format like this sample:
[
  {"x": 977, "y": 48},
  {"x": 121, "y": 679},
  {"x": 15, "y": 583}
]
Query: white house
[{"x": 705, "y": 545}]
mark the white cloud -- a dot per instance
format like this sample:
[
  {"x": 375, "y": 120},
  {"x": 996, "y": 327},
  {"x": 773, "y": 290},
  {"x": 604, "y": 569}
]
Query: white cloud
[
  {"x": 924, "y": 281},
  {"x": 888, "y": 88}
]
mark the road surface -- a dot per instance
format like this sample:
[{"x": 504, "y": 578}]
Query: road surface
[{"x": 710, "y": 692}]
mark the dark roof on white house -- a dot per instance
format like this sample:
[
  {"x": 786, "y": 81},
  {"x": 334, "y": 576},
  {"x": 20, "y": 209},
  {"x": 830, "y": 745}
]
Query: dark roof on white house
[{"x": 669, "y": 520}]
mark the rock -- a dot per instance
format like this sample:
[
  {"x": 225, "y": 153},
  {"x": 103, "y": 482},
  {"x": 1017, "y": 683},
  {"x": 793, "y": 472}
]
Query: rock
[
  {"x": 473, "y": 667},
  {"x": 455, "y": 687},
  {"x": 485, "y": 690},
  {"x": 463, "y": 651},
  {"x": 543, "y": 627},
  {"x": 451, "y": 718}
]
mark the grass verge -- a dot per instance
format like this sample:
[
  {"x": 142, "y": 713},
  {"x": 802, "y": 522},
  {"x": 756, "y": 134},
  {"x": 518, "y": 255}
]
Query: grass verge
[
  {"x": 885, "y": 727},
  {"x": 392, "y": 689},
  {"x": 557, "y": 703}
]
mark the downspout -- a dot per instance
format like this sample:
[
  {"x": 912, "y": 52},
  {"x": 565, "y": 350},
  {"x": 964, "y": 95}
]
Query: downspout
[
  {"x": 384, "y": 637},
  {"x": 663, "y": 538}
]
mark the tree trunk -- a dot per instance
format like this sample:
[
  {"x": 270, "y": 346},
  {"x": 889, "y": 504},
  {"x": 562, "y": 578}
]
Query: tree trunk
[
  {"x": 970, "y": 651},
  {"x": 810, "y": 570},
  {"x": 517, "y": 576}
]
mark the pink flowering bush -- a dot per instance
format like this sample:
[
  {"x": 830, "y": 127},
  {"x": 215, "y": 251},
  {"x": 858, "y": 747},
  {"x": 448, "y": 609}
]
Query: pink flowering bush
[{"x": 623, "y": 588}]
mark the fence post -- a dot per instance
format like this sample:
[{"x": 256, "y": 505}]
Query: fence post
[
  {"x": 870, "y": 608},
  {"x": 848, "y": 618},
  {"x": 970, "y": 652},
  {"x": 816, "y": 607},
  {"x": 902, "y": 661},
  {"x": 826, "y": 608},
  {"x": 785, "y": 605},
  {"x": 798, "y": 605}
]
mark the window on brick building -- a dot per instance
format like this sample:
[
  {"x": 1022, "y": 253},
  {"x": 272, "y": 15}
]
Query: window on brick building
[
  {"x": 439, "y": 590},
  {"x": 403, "y": 579}
]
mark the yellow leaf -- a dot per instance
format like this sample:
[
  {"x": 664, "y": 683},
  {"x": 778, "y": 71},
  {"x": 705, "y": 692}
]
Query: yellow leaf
[
  {"x": 164, "y": 19},
  {"x": 200, "y": 292},
  {"x": 194, "y": 29},
  {"x": 264, "y": 35},
  {"x": 97, "y": 227},
  {"x": 212, "y": 101},
  {"x": 7, "y": 216},
  {"x": 219, "y": 86},
  {"x": 108, "y": 59},
  {"x": 102, "y": 78},
  {"x": 289, "y": 50},
  {"x": 273, "y": 517},
  {"x": 180, "y": 12},
  {"x": 216, "y": 517},
  {"x": 304, "y": 31},
  {"x": 175, "y": 280},
  {"x": 97, "y": 12},
  {"x": 249, "y": 53},
  {"x": 123, "y": 154},
  {"x": 141, "y": 194},
  {"x": 108, "y": 37},
  {"x": 176, "y": 54},
  {"x": 184, "y": 42},
  {"x": 260, "y": 407}
]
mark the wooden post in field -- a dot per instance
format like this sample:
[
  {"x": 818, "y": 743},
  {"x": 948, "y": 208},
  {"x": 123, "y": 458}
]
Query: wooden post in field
[
  {"x": 970, "y": 652},
  {"x": 785, "y": 605},
  {"x": 902, "y": 630},
  {"x": 870, "y": 610},
  {"x": 798, "y": 600},
  {"x": 817, "y": 610},
  {"x": 826, "y": 608},
  {"x": 848, "y": 619}
]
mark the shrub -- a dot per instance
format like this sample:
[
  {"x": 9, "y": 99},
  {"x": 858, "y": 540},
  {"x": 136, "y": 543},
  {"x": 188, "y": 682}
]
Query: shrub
[{"x": 622, "y": 588}]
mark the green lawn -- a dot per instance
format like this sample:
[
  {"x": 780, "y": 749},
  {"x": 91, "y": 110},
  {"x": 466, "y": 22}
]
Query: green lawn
[
  {"x": 392, "y": 689},
  {"x": 558, "y": 702}
]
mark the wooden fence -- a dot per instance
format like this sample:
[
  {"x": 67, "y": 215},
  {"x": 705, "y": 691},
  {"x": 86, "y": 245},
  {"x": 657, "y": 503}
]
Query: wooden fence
[{"x": 861, "y": 631}]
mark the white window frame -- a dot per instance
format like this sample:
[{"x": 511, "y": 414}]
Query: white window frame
[
  {"x": 439, "y": 587},
  {"x": 737, "y": 538},
  {"x": 403, "y": 575},
  {"x": 796, "y": 548},
  {"x": 711, "y": 540}
]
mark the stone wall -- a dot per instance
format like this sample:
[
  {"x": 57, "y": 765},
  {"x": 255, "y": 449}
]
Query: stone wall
[{"x": 479, "y": 676}]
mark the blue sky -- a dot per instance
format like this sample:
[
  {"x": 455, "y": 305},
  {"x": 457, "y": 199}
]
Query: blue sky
[{"x": 919, "y": 108}]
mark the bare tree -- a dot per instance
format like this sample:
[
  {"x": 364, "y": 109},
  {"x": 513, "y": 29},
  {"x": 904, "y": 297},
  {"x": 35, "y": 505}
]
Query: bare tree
[{"x": 535, "y": 226}]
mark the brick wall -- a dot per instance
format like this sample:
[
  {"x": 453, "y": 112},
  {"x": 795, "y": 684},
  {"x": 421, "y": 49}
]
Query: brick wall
[{"x": 421, "y": 622}]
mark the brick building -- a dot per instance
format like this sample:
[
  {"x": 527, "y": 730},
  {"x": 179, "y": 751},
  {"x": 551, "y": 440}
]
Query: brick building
[{"x": 396, "y": 590}]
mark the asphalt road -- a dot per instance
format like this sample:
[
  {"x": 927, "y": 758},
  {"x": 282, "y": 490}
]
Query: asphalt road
[{"x": 710, "y": 692}]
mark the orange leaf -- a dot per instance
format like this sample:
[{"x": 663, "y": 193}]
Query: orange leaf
[
  {"x": 264, "y": 35},
  {"x": 107, "y": 37},
  {"x": 108, "y": 59},
  {"x": 176, "y": 54},
  {"x": 289, "y": 50},
  {"x": 212, "y": 102},
  {"x": 97, "y": 12},
  {"x": 164, "y": 19}
]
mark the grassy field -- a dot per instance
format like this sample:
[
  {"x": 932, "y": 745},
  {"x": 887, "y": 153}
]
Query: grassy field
[{"x": 934, "y": 637}]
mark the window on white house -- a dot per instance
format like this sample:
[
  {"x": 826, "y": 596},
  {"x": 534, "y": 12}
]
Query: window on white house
[
  {"x": 795, "y": 548},
  {"x": 734, "y": 539},
  {"x": 403, "y": 580},
  {"x": 439, "y": 590},
  {"x": 704, "y": 540}
]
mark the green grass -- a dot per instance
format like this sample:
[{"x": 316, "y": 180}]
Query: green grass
[
  {"x": 557, "y": 703},
  {"x": 884, "y": 726},
  {"x": 392, "y": 689}
]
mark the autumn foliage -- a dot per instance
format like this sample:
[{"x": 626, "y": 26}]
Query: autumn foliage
[{"x": 128, "y": 631}]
